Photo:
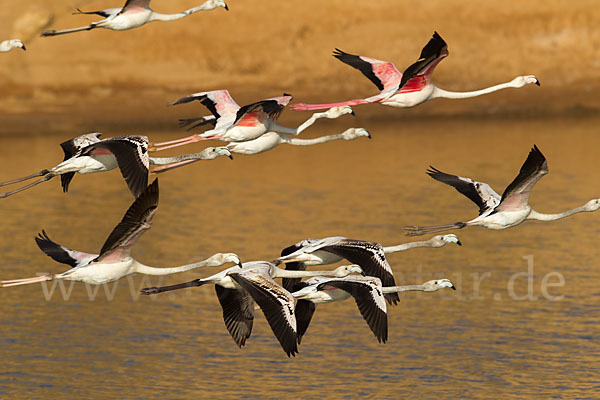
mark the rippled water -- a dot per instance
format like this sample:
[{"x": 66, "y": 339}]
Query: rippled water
[{"x": 477, "y": 342}]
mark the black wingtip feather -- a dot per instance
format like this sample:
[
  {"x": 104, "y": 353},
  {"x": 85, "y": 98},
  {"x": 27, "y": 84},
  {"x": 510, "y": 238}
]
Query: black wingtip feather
[{"x": 54, "y": 250}]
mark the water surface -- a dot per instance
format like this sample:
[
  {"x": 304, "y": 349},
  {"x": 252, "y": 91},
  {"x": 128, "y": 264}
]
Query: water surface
[{"x": 477, "y": 342}]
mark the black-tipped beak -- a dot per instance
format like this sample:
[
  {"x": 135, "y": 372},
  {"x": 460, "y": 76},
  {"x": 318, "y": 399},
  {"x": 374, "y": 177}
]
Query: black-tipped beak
[
  {"x": 352, "y": 113},
  {"x": 24, "y": 48},
  {"x": 537, "y": 82},
  {"x": 226, "y": 8},
  {"x": 240, "y": 264},
  {"x": 363, "y": 273},
  {"x": 369, "y": 135},
  {"x": 230, "y": 157},
  {"x": 453, "y": 288},
  {"x": 459, "y": 243}
]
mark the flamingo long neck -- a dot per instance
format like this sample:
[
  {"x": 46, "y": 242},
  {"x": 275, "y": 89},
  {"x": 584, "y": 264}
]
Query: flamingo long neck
[
  {"x": 284, "y": 273},
  {"x": 147, "y": 270},
  {"x": 183, "y": 157},
  {"x": 309, "y": 142},
  {"x": 407, "y": 246},
  {"x": 275, "y": 127},
  {"x": 171, "y": 17},
  {"x": 437, "y": 92},
  {"x": 552, "y": 217},
  {"x": 405, "y": 288}
]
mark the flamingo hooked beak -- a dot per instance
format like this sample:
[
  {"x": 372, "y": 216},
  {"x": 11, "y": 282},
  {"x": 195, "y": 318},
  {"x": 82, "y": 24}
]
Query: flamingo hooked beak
[
  {"x": 226, "y": 8},
  {"x": 460, "y": 244},
  {"x": 23, "y": 48}
]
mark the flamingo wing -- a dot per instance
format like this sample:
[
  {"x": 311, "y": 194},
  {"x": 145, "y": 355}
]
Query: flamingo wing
[
  {"x": 132, "y": 157},
  {"x": 196, "y": 122},
  {"x": 271, "y": 107},
  {"x": 61, "y": 254},
  {"x": 382, "y": 73},
  {"x": 72, "y": 148},
  {"x": 305, "y": 310},
  {"x": 276, "y": 303},
  {"x": 369, "y": 299},
  {"x": 103, "y": 13},
  {"x": 516, "y": 195},
  {"x": 136, "y": 221},
  {"x": 238, "y": 312},
  {"x": 133, "y": 4},
  {"x": 479, "y": 193},
  {"x": 371, "y": 258},
  {"x": 219, "y": 102},
  {"x": 417, "y": 75}
]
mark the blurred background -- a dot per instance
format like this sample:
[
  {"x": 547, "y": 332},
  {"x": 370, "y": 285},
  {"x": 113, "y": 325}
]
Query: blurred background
[{"x": 262, "y": 48}]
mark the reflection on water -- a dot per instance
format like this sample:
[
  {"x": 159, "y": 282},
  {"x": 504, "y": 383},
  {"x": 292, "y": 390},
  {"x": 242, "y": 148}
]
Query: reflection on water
[{"x": 476, "y": 342}]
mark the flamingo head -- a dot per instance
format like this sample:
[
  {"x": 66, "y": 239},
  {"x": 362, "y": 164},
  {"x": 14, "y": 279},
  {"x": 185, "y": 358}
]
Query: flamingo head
[
  {"x": 335, "y": 112},
  {"x": 353, "y": 133},
  {"x": 212, "y": 4},
  {"x": 213, "y": 152},
  {"x": 442, "y": 240},
  {"x": 219, "y": 259},
  {"x": 346, "y": 270},
  {"x": 521, "y": 81},
  {"x": 437, "y": 284},
  {"x": 592, "y": 205}
]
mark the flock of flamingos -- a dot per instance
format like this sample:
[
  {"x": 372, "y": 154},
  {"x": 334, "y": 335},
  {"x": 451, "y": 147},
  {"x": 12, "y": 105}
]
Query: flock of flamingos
[{"x": 252, "y": 129}]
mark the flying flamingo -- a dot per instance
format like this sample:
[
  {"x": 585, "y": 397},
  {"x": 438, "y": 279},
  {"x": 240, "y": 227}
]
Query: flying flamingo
[
  {"x": 369, "y": 255},
  {"x": 237, "y": 290},
  {"x": 233, "y": 123},
  {"x": 497, "y": 212},
  {"x": 114, "y": 261},
  {"x": 8, "y": 45},
  {"x": 412, "y": 87},
  {"x": 366, "y": 291},
  {"x": 271, "y": 140},
  {"x": 134, "y": 14},
  {"x": 88, "y": 154}
]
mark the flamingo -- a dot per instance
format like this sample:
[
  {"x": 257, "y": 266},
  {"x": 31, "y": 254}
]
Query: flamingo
[
  {"x": 369, "y": 255},
  {"x": 233, "y": 123},
  {"x": 134, "y": 14},
  {"x": 497, "y": 212},
  {"x": 237, "y": 290},
  {"x": 114, "y": 261},
  {"x": 8, "y": 45},
  {"x": 271, "y": 140},
  {"x": 88, "y": 154},
  {"x": 412, "y": 87},
  {"x": 366, "y": 291}
]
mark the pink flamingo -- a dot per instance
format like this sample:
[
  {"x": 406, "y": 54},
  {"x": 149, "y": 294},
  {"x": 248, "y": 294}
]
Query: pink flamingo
[
  {"x": 233, "y": 123},
  {"x": 134, "y": 14},
  {"x": 496, "y": 212},
  {"x": 412, "y": 87},
  {"x": 114, "y": 261}
]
